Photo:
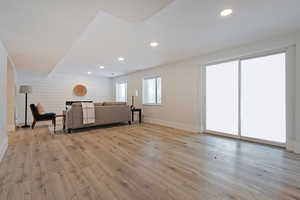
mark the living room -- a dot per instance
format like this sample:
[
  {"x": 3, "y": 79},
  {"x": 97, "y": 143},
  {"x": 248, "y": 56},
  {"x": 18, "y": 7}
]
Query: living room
[{"x": 189, "y": 100}]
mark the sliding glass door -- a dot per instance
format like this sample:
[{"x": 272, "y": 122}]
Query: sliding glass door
[
  {"x": 222, "y": 98},
  {"x": 246, "y": 98},
  {"x": 263, "y": 98}
]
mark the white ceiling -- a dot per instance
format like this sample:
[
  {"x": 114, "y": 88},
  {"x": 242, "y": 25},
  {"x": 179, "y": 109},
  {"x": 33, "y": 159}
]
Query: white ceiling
[
  {"x": 38, "y": 33},
  {"x": 78, "y": 37}
]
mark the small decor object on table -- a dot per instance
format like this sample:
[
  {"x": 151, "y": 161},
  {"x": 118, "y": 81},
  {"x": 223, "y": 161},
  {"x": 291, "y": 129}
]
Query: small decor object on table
[
  {"x": 136, "y": 94},
  {"x": 25, "y": 89},
  {"x": 139, "y": 110}
]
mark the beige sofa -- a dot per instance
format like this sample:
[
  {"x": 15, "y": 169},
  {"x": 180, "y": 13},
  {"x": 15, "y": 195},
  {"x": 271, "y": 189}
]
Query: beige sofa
[{"x": 105, "y": 113}]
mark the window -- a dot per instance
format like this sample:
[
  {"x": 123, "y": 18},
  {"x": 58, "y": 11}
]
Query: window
[
  {"x": 152, "y": 90},
  {"x": 121, "y": 92}
]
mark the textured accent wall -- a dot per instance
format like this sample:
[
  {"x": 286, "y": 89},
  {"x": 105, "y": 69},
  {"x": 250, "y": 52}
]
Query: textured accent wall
[{"x": 54, "y": 90}]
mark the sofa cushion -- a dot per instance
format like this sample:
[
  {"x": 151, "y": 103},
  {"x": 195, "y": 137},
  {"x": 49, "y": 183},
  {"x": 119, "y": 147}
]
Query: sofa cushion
[
  {"x": 76, "y": 104},
  {"x": 98, "y": 104},
  {"x": 113, "y": 103}
]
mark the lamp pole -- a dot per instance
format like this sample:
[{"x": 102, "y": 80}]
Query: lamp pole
[
  {"x": 26, "y": 89},
  {"x": 26, "y": 125}
]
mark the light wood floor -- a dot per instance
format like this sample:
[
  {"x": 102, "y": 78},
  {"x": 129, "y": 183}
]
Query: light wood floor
[{"x": 144, "y": 162}]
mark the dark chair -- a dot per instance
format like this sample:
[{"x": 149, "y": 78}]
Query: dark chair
[{"x": 44, "y": 117}]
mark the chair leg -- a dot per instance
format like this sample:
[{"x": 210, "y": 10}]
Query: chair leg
[{"x": 33, "y": 124}]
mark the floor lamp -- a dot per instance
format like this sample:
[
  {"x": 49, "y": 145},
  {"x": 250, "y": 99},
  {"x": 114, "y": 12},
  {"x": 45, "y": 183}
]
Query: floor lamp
[{"x": 26, "y": 89}]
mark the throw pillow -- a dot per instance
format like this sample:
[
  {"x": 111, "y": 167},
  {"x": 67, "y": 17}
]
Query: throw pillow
[{"x": 40, "y": 109}]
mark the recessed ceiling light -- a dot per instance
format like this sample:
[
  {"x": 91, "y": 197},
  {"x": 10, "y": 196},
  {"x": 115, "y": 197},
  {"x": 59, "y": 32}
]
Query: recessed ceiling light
[
  {"x": 154, "y": 44},
  {"x": 226, "y": 12},
  {"x": 121, "y": 59},
  {"x": 89, "y": 73},
  {"x": 101, "y": 67}
]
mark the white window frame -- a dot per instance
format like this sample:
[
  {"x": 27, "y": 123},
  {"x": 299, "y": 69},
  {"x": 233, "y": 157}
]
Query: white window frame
[
  {"x": 156, "y": 97},
  {"x": 126, "y": 87},
  {"x": 288, "y": 100}
]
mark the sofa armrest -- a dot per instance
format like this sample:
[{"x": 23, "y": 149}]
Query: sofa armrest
[{"x": 69, "y": 119}]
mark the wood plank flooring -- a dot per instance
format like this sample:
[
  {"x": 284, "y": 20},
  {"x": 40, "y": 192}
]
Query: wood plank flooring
[{"x": 142, "y": 162}]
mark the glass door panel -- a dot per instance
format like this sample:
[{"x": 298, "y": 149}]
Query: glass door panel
[
  {"x": 263, "y": 98},
  {"x": 222, "y": 97}
]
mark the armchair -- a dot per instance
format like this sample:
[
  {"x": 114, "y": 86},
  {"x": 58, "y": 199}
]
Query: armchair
[{"x": 42, "y": 117}]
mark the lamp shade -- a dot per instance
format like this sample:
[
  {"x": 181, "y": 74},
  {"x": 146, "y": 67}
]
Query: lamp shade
[
  {"x": 136, "y": 93},
  {"x": 25, "y": 89}
]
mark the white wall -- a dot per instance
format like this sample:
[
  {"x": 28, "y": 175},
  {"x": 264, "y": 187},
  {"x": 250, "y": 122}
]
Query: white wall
[
  {"x": 53, "y": 91},
  {"x": 3, "y": 101},
  {"x": 179, "y": 95},
  {"x": 182, "y": 94}
]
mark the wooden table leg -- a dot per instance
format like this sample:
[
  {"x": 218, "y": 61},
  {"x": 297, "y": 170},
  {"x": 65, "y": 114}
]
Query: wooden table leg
[
  {"x": 54, "y": 124},
  {"x": 64, "y": 123},
  {"x": 132, "y": 116},
  {"x": 140, "y": 116}
]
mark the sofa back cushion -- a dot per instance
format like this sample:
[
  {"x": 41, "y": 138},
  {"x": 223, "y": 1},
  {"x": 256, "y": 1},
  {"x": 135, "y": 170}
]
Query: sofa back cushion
[
  {"x": 114, "y": 103},
  {"x": 79, "y": 104}
]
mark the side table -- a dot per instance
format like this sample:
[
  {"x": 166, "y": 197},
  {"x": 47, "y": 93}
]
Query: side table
[
  {"x": 139, "y": 110},
  {"x": 64, "y": 120}
]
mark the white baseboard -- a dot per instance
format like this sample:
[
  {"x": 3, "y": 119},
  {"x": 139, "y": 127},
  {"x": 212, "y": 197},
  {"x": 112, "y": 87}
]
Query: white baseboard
[
  {"x": 18, "y": 124},
  {"x": 297, "y": 146},
  {"x": 290, "y": 144},
  {"x": 3, "y": 147},
  {"x": 176, "y": 125},
  {"x": 293, "y": 146}
]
